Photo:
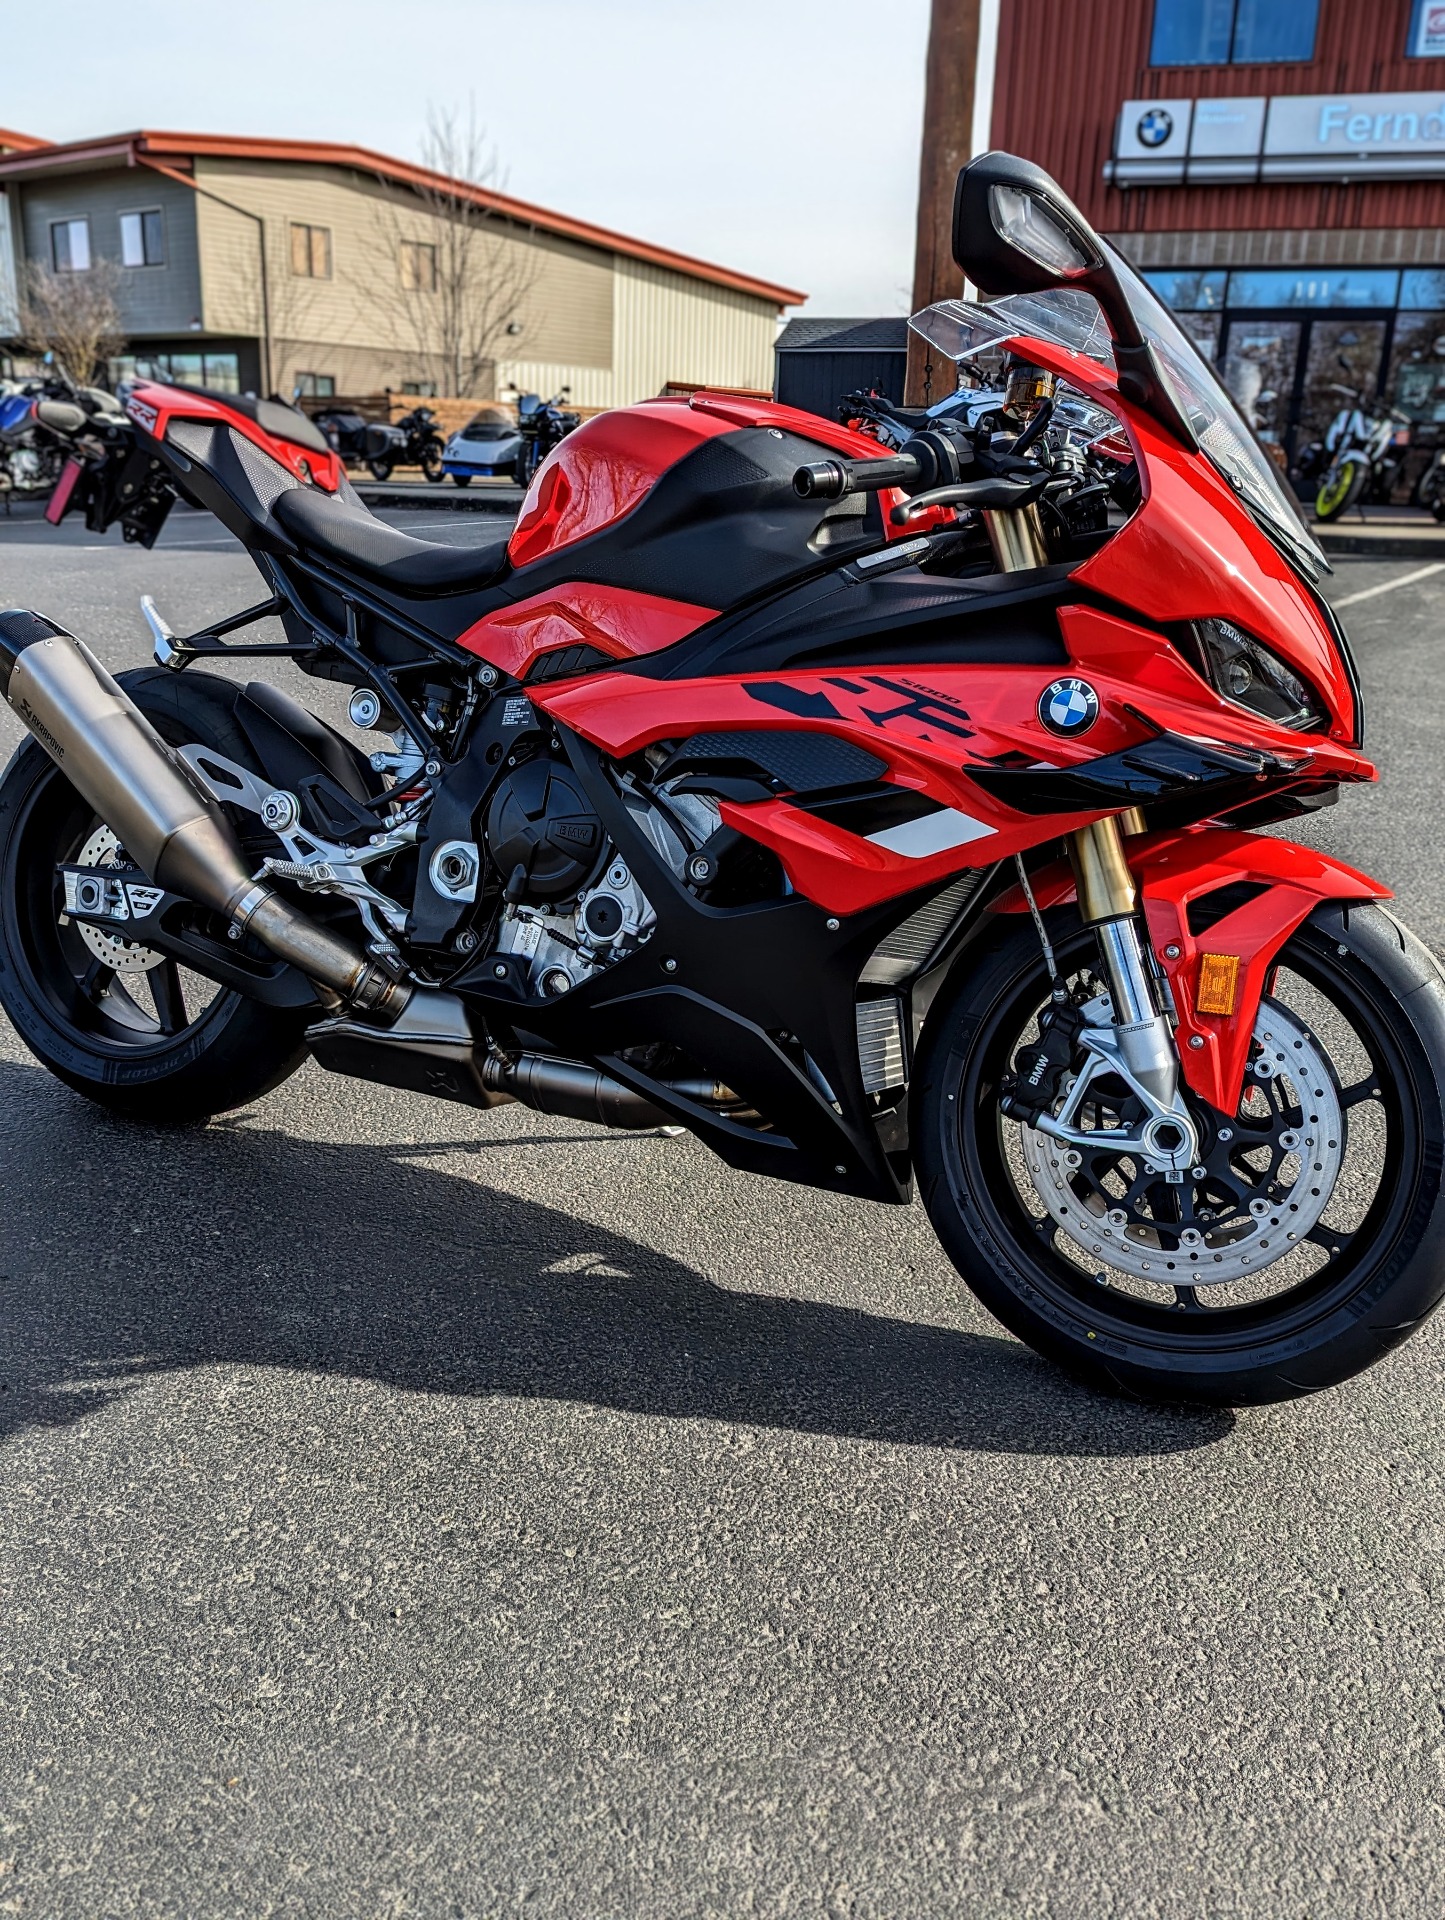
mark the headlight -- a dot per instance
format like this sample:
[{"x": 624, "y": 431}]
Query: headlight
[{"x": 1246, "y": 672}]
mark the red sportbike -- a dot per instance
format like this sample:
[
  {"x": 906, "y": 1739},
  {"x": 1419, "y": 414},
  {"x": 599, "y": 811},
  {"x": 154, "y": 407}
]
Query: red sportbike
[{"x": 866, "y": 816}]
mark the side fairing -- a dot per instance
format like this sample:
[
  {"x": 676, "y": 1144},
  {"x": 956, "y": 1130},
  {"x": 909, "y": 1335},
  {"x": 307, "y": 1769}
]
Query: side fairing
[{"x": 967, "y": 772}]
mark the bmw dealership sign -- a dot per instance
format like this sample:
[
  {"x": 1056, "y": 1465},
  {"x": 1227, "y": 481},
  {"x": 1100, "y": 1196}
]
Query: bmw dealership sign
[{"x": 1308, "y": 136}]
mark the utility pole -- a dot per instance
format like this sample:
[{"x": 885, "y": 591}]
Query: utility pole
[{"x": 956, "y": 111}]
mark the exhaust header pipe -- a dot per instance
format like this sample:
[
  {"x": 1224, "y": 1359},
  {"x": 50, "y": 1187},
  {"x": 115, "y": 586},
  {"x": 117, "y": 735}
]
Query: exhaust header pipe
[{"x": 140, "y": 787}]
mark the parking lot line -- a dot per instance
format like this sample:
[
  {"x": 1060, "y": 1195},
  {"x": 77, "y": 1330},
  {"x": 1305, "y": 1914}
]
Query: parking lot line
[{"x": 1389, "y": 586}]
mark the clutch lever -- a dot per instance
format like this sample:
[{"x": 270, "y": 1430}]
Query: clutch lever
[{"x": 992, "y": 494}]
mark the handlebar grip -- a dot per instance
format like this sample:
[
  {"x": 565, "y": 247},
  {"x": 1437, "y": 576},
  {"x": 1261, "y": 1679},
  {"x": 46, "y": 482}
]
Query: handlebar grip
[{"x": 831, "y": 479}]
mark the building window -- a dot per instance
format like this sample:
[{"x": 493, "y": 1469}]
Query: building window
[
  {"x": 142, "y": 239},
  {"x": 1314, "y": 287},
  {"x": 70, "y": 245},
  {"x": 420, "y": 389},
  {"x": 1189, "y": 291},
  {"x": 316, "y": 386},
  {"x": 1427, "y": 30},
  {"x": 221, "y": 372},
  {"x": 310, "y": 251},
  {"x": 418, "y": 267},
  {"x": 1216, "y": 33}
]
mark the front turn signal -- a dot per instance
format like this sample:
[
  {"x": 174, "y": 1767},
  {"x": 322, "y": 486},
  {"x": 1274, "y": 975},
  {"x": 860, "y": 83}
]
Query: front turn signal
[{"x": 1218, "y": 989}]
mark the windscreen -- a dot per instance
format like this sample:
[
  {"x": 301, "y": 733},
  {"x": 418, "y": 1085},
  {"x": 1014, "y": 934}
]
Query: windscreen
[{"x": 1069, "y": 318}]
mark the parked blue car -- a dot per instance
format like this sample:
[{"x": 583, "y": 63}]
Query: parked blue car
[{"x": 487, "y": 446}]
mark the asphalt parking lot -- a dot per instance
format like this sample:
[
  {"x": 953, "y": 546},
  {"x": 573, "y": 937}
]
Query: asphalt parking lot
[{"x": 405, "y": 1511}]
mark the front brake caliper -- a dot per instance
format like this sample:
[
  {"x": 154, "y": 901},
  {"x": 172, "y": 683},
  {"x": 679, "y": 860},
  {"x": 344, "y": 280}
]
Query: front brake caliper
[{"x": 1039, "y": 1068}]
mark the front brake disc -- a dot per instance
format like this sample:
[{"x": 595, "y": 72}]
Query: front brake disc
[{"x": 1261, "y": 1185}]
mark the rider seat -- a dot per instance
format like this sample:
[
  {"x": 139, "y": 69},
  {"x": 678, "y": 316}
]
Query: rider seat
[{"x": 352, "y": 540}]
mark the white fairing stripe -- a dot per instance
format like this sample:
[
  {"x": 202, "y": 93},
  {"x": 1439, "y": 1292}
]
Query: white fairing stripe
[{"x": 934, "y": 833}]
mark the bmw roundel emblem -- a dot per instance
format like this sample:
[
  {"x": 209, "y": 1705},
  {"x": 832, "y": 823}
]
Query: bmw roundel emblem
[
  {"x": 1155, "y": 127},
  {"x": 1068, "y": 706}
]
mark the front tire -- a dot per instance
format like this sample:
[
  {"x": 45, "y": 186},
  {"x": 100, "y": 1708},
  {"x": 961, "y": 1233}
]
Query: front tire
[
  {"x": 1341, "y": 488},
  {"x": 1329, "y": 1305},
  {"x": 431, "y": 464},
  {"x": 136, "y": 1033}
]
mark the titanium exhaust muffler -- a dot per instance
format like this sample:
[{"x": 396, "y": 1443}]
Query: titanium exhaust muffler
[{"x": 142, "y": 789}]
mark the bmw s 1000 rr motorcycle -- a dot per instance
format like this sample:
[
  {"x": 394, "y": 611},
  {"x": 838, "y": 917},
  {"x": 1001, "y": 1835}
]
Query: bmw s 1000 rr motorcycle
[{"x": 872, "y": 817}]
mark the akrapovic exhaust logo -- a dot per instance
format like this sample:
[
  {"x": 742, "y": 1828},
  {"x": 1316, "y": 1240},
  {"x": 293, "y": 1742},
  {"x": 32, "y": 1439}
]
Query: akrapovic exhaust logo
[{"x": 38, "y": 727}]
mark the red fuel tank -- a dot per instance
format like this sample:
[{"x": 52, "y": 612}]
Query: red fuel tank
[{"x": 611, "y": 463}]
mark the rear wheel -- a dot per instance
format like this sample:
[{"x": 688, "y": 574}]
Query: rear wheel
[
  {"x": 1306, "y": 1244},
  {"x": 123, "y": 1024},
  {"x": 379, "y": 469},
  {"x": 462, "y": 479},
  {"x": 1341, "y": 487}
]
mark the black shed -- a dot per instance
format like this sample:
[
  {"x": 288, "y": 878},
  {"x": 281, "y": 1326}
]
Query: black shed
[{"x": 818, "y": 361}]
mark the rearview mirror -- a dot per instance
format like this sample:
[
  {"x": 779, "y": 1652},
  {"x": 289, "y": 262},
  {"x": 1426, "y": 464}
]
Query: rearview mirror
[{"x": 1015, "y": 230}]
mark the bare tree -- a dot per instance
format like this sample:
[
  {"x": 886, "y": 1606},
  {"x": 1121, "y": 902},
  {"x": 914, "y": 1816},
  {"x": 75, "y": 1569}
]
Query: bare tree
[
  {"x": 451, "y": 274},
  {"x": 74, "y": 316}
]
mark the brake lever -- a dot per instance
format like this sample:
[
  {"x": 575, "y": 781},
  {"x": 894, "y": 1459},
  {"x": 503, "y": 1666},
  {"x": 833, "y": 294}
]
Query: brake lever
[{"x": 995, "y": 494}]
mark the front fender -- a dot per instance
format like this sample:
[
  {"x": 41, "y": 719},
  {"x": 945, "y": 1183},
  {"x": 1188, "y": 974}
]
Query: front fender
[{"x": 1177, "y": 871}]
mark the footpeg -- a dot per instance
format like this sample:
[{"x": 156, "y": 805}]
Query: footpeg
[{"x": 166, "y": 650}]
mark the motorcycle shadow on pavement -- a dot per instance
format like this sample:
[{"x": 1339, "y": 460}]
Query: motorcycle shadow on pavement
[{"x": 130, "y": 1251}]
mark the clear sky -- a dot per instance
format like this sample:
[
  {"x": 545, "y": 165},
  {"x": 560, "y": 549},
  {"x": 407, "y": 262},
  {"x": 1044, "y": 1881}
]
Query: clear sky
[{"x": 771, "y": 136}]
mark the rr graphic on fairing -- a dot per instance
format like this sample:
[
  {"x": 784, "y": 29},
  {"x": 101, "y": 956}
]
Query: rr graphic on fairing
[{"x": 872, "y": 817}]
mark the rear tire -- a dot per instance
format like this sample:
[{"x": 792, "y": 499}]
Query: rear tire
[
  {"x": 106, "y": 1037},
  {"x": 379, "y": 469},
  {"x": 1313, "y": 1317},
  {"x": 462, "y": 479}
]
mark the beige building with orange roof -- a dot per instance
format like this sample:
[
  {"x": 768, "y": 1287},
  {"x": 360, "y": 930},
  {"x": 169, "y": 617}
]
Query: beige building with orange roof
[{"x": 302, "y": 266}]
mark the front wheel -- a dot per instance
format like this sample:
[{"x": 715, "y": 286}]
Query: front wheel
[
  {"x": 1308, "y": 1242},
  {"x": 431, "y": 463},
  {"x": 1341, "y": 487},
  {"x": 462, "y": 479}
]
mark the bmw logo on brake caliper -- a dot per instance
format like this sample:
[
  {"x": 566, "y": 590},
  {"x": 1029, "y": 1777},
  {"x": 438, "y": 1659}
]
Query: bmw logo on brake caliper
[{"x": 1068, "y": 706}]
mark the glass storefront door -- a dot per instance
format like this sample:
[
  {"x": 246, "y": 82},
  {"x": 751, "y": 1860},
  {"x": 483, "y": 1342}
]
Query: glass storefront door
[
  {"x": 1340, "y": 354},
  {"x": 1286, "y": 340},
  {"x": 1286, "y": 374},
  {"x": 1261, "y": 359}
]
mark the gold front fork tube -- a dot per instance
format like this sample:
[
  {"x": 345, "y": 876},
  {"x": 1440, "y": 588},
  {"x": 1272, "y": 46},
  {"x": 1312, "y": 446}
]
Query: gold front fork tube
[
  {"x": 1101, "y": 873},
  {"x": 1017, "y": 538}
]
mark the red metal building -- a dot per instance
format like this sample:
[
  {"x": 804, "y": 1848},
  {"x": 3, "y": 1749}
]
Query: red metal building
[{"x": 1275, "y": 167}]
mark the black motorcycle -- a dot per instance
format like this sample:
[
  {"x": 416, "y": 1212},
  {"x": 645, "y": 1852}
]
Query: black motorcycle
[
  {"x": 414, "y": 441},
  {"x": 346, "y": 432},
  {"x": 543, "y": 424}
]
